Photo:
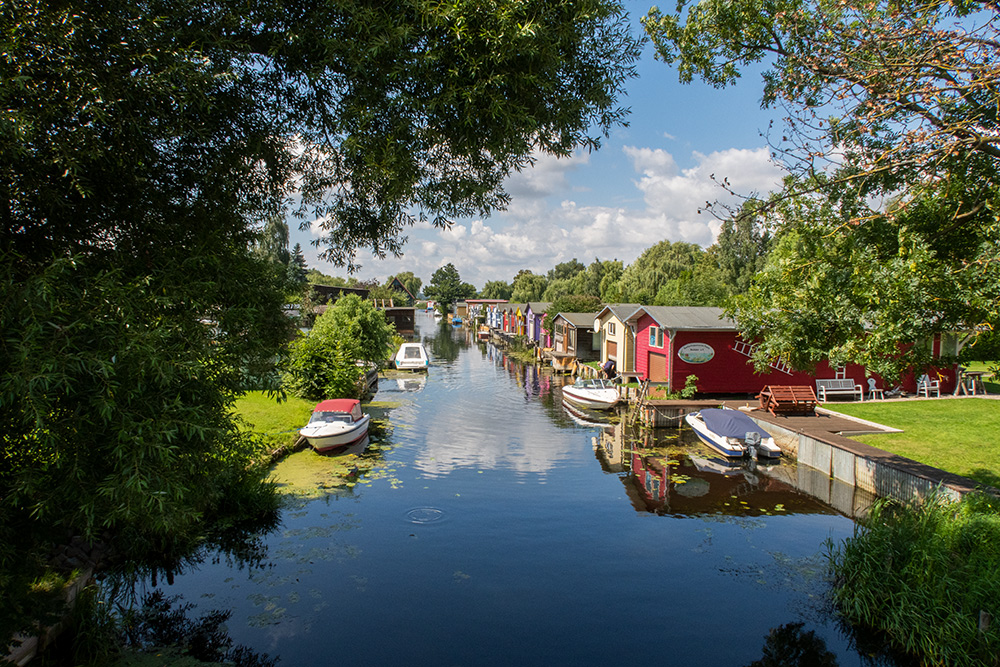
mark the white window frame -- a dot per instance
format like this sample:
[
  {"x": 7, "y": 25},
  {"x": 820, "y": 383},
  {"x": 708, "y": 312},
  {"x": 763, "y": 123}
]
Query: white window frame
[{"x": 656, "y": 337}]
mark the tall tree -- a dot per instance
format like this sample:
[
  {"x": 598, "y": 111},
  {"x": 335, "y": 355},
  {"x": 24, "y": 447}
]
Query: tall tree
[
  {"x": 297, "y": 269},
  {"x": 496, "y": 289},
  {"x": 446, "y": 287},
  {"x": 528, "y": 287},
  {"x": 642, "y": 280},
  {"x": 742, "y": 247},
  {"x": 886, "y": 102},
  {"x": 566, "y": 270},
  {"x": 143, "y": 142}
]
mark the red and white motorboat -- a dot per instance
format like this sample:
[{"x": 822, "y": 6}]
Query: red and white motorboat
[{"x": 335, "y": 423}]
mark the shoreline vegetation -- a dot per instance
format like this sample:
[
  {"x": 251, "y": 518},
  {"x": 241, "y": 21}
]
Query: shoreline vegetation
[{"x": 926, "y": 577}]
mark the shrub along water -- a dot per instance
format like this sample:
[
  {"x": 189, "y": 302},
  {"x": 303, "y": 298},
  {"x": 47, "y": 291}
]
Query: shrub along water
[{"x": 928, "y": 576}]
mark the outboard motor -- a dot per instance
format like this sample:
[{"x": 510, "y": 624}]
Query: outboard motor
[{"x": 752, "y": 442}]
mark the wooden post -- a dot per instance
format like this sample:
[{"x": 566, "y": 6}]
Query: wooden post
[{"x": 984, "y": 621}]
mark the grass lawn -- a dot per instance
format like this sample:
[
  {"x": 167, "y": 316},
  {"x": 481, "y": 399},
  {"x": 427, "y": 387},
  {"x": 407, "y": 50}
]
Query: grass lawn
[
  {"x": 277, "y": 422},
  {"x": 959, "y": 435}
]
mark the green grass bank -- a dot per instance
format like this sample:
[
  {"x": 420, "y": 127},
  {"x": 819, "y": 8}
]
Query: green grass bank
[{"x": 955, "y": 435}]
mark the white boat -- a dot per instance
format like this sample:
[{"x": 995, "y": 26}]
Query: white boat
[
  {"x": 732, "y": 433},
  {"x": 411, "y": 357},
  {"x": 335, "y": 423},
  {"x": 593, "y": 393}
]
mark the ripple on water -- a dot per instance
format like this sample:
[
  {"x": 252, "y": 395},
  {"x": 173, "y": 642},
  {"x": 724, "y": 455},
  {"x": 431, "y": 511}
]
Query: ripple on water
[{"x": 424, "y": 515}]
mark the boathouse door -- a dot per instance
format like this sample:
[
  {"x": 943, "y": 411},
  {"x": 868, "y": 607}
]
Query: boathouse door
[{"x": 657, "y": 367}]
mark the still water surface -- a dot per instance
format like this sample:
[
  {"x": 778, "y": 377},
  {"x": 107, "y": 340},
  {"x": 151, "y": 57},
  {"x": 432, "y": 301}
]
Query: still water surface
[{"x": 488, "y": 527}]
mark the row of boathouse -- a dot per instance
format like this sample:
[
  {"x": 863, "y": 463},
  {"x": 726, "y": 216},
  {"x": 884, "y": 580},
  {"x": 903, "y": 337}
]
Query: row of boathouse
[{"x": 666, "y": 344}]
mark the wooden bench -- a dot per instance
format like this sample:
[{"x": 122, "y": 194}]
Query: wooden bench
[
  {"x": 839, "y": 387},
  {"x": 788, "y": 400}
]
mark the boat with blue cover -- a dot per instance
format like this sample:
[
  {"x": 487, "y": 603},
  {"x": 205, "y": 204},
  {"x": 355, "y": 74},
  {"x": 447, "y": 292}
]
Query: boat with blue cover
[{"x": 732, "y": 433}]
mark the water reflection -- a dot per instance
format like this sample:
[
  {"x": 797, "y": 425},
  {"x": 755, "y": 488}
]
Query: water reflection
[
  {"x": 588, "y": 418},
  {"x": 494, "y": 529},
  {"x": 791, "y": 646},
  {"x": 414, "y": 383},
  {"x": 669, "y": 471}
]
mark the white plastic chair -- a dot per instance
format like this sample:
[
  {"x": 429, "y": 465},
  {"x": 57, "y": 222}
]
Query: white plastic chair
[
  {"x": 873, "y": 391},
  {"x": 925, "y": 386}
]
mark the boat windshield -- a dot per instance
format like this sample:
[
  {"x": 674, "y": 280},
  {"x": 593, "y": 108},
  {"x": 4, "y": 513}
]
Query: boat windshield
[
  {"x": 412, "y": 353},
  {"x": 330, "y": 417},
  {"x": 590, "y": 383}
]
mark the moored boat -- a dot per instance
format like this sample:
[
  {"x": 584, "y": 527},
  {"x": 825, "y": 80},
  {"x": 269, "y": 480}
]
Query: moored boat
[
  {"x": 335, "y": 423},
  {"x": 593, "y": 393},
  {"x": 732, "y": 433},
  {"x": 412, "y": 357}
]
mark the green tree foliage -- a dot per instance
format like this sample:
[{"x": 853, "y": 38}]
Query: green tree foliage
[
  {"x": 573, "y": 278},
  {"x": 144, "y": 141},
  {"x": 322, "y": 364},
  {"x": 496, "y": 289},
  {"x": 528, "y": 287},
  {"x": 860, "y": 292},
  {"x": 297, "y": 270},
  {"x": 272, "y": 241},
  {"x": 446, "y": 287},
  {"x": 565, "y": 270},
  {"x": 317, "y": 277},
  {"x": 116, "y": 416},
  {"x": 610, "y": 287},
  {"x": 702, "y": 285},
  {"x": 742, "y": 248},
  {"x": 668, "y": 272},
  {"x": 886, "y": 102}
]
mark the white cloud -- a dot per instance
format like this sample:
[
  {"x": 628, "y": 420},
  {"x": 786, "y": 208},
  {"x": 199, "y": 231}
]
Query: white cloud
[{"x": 537, "y": 231}]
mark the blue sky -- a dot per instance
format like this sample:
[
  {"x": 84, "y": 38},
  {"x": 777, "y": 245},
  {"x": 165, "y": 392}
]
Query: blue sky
[{"x": 644, "y": 185}]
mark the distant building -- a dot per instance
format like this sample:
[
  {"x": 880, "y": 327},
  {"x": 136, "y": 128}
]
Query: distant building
[{"x": 327, "y": 294}]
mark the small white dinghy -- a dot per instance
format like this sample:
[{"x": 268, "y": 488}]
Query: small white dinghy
[
  {"x": 335, "y": 423},
  {"x": 732, "y": 433},
  {"x": 411, "y": 357},
  {"x": 593, "y": 393}
]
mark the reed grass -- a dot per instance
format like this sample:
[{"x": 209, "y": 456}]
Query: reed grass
[{"x": 923, "y": 574}]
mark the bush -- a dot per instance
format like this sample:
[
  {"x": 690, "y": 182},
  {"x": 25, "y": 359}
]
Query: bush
[
  {"x": 922, "y": 573},
  {"x": 323, "y": 363}
]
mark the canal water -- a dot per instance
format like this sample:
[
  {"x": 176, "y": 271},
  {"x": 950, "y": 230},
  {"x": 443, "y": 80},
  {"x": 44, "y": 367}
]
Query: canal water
[{"x": 487, "y": 525}]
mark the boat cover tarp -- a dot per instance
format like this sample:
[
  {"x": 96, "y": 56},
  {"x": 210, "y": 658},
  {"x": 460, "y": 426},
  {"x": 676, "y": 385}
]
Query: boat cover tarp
[
  {"x": 731, "y": 423},
  {"x": 336, "y": 405}
]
